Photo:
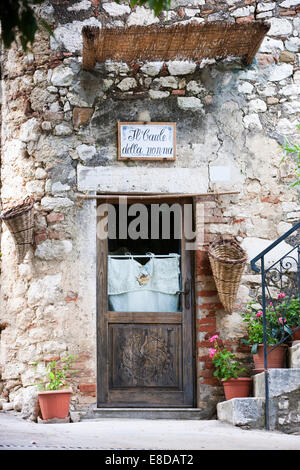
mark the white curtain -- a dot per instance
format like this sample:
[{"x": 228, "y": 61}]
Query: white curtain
[{"x": 135, "y": 287}]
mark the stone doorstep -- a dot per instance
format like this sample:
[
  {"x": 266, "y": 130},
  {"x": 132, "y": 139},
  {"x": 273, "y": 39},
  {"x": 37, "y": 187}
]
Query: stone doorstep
[
  {"x": 144, "y": 413},
  {"x": 54, "y": 420},
  {"x": 294, "y": 355},
  {"x": 248, "y": 412}
]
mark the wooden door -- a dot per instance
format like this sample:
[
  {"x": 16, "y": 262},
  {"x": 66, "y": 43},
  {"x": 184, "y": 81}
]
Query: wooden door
[{"x": 145, "y": 359}]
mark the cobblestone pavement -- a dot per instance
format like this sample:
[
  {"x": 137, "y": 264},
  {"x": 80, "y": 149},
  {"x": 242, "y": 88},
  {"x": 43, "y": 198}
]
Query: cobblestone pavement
[{"x": 134, "y": 434}]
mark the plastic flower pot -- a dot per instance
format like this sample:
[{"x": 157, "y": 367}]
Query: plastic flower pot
[
  {"x": 55, "y": 403},
  {"x": 237, "y": 388},
  {"x": 275, "y": 359}
]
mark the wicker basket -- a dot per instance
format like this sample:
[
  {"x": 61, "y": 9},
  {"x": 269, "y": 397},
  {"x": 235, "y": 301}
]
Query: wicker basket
[
  {"x": 19, "y": 220},
  {"x": 228, "y": 260}
]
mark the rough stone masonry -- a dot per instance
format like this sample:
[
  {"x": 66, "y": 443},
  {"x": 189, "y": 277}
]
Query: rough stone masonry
[{"x": 59, "y": 137}]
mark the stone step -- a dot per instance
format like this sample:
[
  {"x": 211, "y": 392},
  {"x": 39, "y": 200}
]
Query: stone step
[
  {"x": 284, "y": 394},
  {"x": 248, "y": 412},
  {"x": 294, "y": 355},
  {"x": 280, "y": 381},
  {"x": 144, "y": 413}
]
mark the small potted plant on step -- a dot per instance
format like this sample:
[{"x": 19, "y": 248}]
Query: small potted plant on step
[
  {"x": 276, "y": 330},
  {"x": 228, "y": 370},
  {"x": 54, "y": 395},
  {"x": 289, "y": 311}
]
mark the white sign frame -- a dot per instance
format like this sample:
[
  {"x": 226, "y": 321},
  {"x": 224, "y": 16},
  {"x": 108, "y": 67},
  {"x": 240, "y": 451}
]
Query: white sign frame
[{"x": 147, "y": 141}]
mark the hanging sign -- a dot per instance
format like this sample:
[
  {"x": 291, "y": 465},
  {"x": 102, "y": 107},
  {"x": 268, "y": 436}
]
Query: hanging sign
[{"x": 147, "y": 140}]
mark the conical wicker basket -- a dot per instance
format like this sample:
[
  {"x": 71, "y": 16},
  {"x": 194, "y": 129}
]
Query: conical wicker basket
[
  {"x": 228, "y": 260},
  {"x": 20, "y": 220}
]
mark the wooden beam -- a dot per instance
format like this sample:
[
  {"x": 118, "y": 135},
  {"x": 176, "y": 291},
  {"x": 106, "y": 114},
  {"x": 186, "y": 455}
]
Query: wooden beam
[{"x": 150, "y": 195}]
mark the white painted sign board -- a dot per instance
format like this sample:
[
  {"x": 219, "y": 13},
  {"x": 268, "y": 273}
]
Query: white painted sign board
[{"x": 147, "y": 140}]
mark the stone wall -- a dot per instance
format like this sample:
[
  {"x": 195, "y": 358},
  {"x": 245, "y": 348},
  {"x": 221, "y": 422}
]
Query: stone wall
[{"x": 59, "y": 137}]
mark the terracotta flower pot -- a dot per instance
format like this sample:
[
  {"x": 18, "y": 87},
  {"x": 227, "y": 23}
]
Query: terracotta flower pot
[
  {"x": 275, "y": 359},
  {"x": 296, "y": 334},
  {"x": 237, "y": 388},
  {"x": 54, "y": 403}
]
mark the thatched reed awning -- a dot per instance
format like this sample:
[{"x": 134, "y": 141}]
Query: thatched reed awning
[{"x": 178, "y": 42}]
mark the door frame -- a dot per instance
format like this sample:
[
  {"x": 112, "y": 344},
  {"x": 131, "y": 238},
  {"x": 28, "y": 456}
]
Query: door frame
[{"x": 102, "y": 304}]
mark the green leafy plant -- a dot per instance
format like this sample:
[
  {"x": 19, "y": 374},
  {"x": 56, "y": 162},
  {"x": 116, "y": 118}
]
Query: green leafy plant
[
  {"x": 281, "y": 316},
  {"x": 293, "y": 149},
  {"x": 57, "y": 373},
  {"x": 225, "y": 363},
  {"x": 254, "y": 319},
  {"x": 290, "y": 310},
  {"x": 18, "y": 19},
  {"x": 156, "y": 5}
]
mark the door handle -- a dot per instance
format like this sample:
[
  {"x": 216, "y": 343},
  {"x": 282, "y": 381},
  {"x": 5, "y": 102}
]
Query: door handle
[{"x": 186, "y": 292}]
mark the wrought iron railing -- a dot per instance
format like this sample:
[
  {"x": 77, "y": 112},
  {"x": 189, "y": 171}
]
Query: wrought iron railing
[{"x": 279, "y": 278}]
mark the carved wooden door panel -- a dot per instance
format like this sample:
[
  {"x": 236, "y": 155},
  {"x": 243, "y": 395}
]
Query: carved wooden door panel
[{"x": 145, "y": 359}]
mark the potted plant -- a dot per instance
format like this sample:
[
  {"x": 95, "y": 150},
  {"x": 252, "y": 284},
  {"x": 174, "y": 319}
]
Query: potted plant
[
  {"x": 54, "y": 395},
  {"x": 289, "y": 310},
  {"x": 276, "y": 330},
  {"x": 228, "y": 371}
]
